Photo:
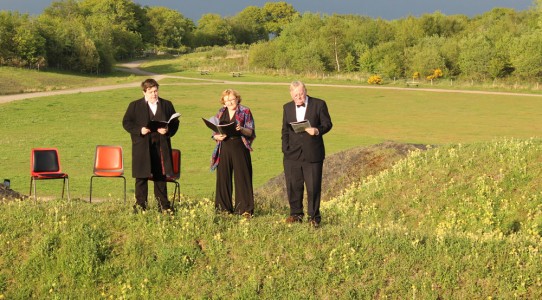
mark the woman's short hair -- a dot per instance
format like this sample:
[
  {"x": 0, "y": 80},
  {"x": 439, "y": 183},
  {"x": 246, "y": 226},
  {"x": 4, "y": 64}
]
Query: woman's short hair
[{"x": 228, "y": 92}]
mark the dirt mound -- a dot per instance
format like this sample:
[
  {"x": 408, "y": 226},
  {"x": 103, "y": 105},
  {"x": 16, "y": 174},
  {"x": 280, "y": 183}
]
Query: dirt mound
[
  {"x": 9, "y": 194},
  {"x": 340, "y": 171}
]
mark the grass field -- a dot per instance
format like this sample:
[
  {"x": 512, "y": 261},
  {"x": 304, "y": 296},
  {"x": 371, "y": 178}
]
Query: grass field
[
  {"x": 77, "y": 123},
  {"x": 460, "y": 221}
]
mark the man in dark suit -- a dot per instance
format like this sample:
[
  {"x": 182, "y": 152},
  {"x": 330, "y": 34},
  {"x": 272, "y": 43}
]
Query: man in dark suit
[
  {"x": 151, "y": 150},
  {"x": 304, "y": 152}
]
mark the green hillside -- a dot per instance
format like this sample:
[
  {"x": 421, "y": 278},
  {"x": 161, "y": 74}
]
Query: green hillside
[{"x": 452, "y": 222}]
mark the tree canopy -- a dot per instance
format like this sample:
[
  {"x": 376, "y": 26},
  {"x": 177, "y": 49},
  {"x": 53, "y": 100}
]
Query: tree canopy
[{"x": 90, "y": 35}]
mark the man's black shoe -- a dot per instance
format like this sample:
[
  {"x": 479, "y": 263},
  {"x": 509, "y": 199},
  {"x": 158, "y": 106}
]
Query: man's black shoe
[{"x": 294, "y": 219}]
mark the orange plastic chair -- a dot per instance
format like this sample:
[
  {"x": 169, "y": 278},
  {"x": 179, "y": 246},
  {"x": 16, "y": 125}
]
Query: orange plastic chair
[
  {"x": 108, "y": 162},
  {"x": 45, "y": 164}
]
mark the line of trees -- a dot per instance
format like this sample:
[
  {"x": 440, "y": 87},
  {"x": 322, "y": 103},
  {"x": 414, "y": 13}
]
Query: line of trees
[
  {"x": 90, "y": 35},
  {"x": 498, "y": 44}
]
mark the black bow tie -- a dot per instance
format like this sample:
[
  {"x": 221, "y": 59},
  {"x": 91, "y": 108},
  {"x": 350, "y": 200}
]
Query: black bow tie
[{"x": 302, "y": 105}]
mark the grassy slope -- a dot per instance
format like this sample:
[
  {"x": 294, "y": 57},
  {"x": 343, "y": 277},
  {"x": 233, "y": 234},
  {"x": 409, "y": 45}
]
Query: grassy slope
[
  {"x": 15, "y": 81},
  {"x": 458, "y": 222}
]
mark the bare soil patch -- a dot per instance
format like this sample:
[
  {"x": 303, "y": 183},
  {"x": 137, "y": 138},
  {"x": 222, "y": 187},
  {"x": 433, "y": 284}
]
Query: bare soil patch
[
  {"x": 7, "y": 194},
  {"x": 341, "y": 170}
]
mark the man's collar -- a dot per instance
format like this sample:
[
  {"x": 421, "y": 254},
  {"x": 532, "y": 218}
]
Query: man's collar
[{"x": 304, "y": 102}]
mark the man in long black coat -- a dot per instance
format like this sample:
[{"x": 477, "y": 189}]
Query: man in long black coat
[
  {"x": 151, "y": 150},
  {"x": 304, "y": 152}
]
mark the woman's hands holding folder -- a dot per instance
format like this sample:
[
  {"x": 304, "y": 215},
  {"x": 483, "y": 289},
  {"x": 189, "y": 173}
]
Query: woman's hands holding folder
[
  {"x": 219, "y": 137},
  {"x": 244, "y": 131}
]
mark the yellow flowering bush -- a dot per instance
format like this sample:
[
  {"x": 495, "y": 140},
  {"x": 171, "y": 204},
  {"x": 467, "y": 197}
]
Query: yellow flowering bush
[
  {"x": 375, "y": 79},
  {"x": 437, "y": 73}
]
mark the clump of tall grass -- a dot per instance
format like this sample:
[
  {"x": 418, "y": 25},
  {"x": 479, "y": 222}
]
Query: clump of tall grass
[{"x": 484, "y": 191}]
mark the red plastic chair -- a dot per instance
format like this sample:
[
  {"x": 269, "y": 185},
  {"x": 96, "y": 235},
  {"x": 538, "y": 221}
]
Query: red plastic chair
[
  {"x": 45, "y": 164},
  {"x": 176, "y": 161},
  {"x": 108, "y": 162}
]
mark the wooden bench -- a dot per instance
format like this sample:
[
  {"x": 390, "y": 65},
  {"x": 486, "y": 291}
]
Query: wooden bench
[
  {"x": 236, "y": 74},
  {"x": 204, "y": 72},
  {"x": 412, "y": 83}
]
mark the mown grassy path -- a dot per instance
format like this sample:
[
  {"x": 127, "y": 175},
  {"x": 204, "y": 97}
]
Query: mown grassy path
[{"x": 133, "y": 68}]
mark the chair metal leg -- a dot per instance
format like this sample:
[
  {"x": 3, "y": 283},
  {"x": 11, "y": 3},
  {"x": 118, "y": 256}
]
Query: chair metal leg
[
  {"x": 124, "y": 189},
  {"x": 33, "y": 187},
  {"x": 176, "y": 193},
  {"x": 63, "y": 187},
  {"x": 90, "y": 198},
  {"x": 69, "y": 198},
  {"x": 67, "y": 180}
]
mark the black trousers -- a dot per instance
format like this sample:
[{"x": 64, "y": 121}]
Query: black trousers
[
  {"x": 298, "y": 174},
  {"x": 234, "y": 159},
  {"x": 160, "y": 184}
]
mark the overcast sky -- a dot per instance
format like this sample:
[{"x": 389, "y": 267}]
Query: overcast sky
[{"x": 386, "y": 9}]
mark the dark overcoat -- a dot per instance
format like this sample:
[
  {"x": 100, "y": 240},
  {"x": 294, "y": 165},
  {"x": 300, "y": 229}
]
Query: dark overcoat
[{"x": 136, "y": 117}]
